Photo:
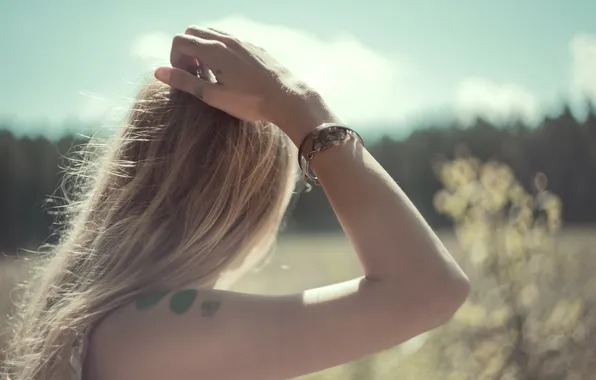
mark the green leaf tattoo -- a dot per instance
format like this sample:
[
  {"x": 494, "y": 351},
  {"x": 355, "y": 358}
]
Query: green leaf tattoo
[
  {"x": 149, "y": 300},
  {"x": 182, "y": 301},
  {"x": 210, "y": 307}
]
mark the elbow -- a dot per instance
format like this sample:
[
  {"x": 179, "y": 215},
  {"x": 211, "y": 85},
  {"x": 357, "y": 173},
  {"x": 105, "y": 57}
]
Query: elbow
[
  {"x": 457, "y": 293},
  {"x": 432, "y": 304},
  {"x": 447, "y": 298}
]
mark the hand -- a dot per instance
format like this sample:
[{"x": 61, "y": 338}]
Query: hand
[{"x": 238, "y": 78}]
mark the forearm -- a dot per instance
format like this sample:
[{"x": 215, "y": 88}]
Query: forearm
[{"x": 390, "y": 236}]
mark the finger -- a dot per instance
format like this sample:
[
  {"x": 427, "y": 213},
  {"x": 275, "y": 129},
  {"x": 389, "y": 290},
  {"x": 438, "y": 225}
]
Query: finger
[
  {"x": 220, "y": 32},
  {"x": 186, "y": 49},
  {"x": 256, "y": 47},
  {"x": 214, "y": 35},
  {"x": 206, "y": 74},
  {"x": 185, "y": 81}
]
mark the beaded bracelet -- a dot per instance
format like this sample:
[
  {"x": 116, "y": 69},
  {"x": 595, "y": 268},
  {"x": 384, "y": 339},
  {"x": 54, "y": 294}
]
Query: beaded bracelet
[{"x": 322, "y": 138}]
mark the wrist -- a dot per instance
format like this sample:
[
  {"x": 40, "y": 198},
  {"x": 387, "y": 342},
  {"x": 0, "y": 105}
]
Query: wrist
[{"x": 299, "y": 114}]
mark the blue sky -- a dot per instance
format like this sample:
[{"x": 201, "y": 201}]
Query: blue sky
[{"x": 375, "y": 61}]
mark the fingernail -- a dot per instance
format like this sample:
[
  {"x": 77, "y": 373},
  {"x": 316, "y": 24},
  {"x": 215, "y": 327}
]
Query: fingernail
[{"x": 162, "y": 74}]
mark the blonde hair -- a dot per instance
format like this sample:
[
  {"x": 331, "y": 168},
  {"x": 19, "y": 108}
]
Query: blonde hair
[{"x": 180, "y": 194}]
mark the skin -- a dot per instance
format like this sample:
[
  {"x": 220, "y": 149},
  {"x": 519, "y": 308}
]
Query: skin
[{"x": 410, "y": 284}]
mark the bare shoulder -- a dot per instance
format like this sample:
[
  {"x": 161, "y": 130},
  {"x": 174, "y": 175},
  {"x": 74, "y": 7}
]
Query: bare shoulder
[{"x": 191, "y": 333}]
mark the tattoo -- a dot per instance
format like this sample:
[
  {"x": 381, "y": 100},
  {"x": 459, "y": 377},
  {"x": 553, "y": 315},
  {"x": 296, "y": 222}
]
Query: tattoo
[
  {"x": 210, "y": 307},
  {"x": 182, "y": 301},
  {"x": 150, "y": 300}
]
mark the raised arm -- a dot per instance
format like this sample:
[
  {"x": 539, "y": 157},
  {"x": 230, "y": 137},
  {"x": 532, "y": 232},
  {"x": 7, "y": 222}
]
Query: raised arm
[
  {"x": 394, "y": 243},
  {"x": 411, "y": 283}
]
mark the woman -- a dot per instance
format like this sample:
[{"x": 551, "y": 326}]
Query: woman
[{"x": 187, "y": 193}]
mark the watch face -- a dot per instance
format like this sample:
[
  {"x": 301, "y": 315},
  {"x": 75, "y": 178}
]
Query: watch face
[
  {"x": 334, "y": 134},
  {"x": 317, "y": 144},
  {"x": 328, "y": 137}
]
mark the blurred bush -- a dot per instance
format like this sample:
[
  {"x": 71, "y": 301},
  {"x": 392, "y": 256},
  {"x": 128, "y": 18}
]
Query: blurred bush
[{"x": 533, "y": 311}]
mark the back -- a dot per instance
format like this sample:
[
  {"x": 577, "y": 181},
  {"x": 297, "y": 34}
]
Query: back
[{"x": 201, "y": 333}]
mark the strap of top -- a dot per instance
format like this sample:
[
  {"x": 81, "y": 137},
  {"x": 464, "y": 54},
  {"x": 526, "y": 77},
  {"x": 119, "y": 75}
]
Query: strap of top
[
  {"x": 77, "y": 358},
  {"x": 79, "y": 354}
]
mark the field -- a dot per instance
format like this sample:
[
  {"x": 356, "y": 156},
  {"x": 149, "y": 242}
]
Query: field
[{"x": 309, "y": 261}]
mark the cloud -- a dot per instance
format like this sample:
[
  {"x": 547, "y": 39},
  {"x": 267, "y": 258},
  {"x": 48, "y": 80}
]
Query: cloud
[
  {"x": 152, "y": 47},
  {"x": 499, "y": 102},
  {"x": 366, "y": 85},
  {"x": 495, "y": 102},
  {"x": 360, "y": 84},
  {"x": 583, "y": 65}
]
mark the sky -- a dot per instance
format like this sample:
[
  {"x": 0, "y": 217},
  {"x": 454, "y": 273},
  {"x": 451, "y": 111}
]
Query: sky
[{"x": 377, "y": 63}]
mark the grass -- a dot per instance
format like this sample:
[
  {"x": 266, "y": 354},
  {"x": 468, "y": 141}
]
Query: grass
[{"x": 310, "y": 261}]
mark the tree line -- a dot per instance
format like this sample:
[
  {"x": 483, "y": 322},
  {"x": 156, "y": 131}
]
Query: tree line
[{"x": 561, "y": 147}]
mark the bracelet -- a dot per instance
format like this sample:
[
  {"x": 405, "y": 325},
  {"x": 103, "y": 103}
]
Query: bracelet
[{"x": 322, "y": 138}]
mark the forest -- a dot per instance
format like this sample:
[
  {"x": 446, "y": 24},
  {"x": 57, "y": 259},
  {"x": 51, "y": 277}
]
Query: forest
[{"x": 561, "y": 148}]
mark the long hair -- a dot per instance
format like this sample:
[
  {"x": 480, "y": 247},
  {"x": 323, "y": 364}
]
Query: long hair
[{"x": 181, "y": 193}]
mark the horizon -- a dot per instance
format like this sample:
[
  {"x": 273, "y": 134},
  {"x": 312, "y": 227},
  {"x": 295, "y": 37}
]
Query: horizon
[{"x": 35, "y": 129}]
